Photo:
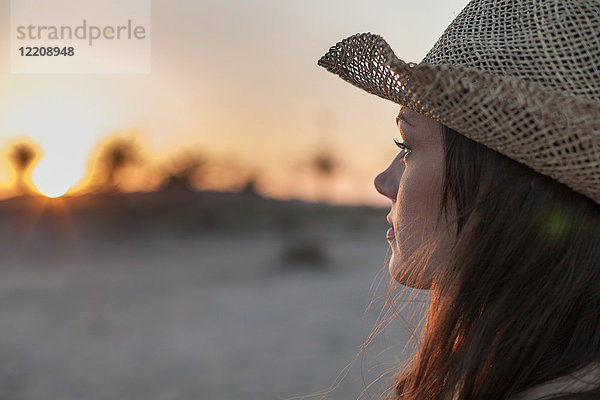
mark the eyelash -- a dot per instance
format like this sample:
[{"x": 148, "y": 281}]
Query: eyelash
[{"x": 401, "y": 145}]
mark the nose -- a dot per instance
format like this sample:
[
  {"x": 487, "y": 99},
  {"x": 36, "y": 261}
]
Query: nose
[{"x": 388, "y": 181}]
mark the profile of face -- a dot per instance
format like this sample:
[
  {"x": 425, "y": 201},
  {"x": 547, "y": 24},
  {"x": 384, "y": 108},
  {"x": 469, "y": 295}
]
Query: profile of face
[{"x": 413, "y": 182}]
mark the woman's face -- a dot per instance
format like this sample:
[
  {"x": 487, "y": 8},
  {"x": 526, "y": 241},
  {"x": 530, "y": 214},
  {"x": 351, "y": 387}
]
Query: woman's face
[{"x": 413, "y": 182}]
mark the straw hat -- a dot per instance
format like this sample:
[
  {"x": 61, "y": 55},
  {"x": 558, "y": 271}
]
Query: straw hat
[{"x": 521, "y": 77}]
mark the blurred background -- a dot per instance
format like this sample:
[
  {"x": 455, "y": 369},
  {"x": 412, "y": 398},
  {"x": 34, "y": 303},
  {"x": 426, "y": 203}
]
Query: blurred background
[{"x": 211, "y": 229}]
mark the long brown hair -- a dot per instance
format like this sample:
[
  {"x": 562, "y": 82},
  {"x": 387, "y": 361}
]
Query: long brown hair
[{"x": 519, "y": 303}]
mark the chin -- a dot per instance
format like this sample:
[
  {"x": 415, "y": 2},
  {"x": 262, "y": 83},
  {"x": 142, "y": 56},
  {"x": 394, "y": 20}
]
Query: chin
[{"x": 402, "y": 275}]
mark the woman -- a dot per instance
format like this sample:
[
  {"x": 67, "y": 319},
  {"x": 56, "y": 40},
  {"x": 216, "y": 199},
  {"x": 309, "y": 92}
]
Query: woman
[{"x": 496, "y": 197}]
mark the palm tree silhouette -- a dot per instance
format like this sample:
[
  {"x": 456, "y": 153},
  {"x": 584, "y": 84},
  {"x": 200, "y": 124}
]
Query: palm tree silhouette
[
  {"x": 324, "y": 164},
  {"x": 115, "y": 157},
  {"x": 22, "y": 156}
]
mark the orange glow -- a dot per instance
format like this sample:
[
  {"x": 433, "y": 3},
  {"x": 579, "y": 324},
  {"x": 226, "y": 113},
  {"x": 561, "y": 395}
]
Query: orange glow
[
  {"x": 53, "y": 176},
  {"x": 64, "y": 122},
  {"x": 135, "y": 174}
]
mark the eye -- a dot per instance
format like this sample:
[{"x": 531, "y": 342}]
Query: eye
[{"x": 402, "y": 146}]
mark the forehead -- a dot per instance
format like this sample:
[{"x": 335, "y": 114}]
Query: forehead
[{"x": 416, "y": 127}]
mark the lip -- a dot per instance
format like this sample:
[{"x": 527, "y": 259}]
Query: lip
[{"x": 390, "y": 234}]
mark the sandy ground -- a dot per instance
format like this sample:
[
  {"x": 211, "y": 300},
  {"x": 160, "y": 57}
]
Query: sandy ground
[{"x": 205, "y": 316}]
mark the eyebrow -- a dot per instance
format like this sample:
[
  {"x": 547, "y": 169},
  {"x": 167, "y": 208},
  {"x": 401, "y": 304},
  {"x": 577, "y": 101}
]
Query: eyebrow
[{"x": 401, "y": 117}]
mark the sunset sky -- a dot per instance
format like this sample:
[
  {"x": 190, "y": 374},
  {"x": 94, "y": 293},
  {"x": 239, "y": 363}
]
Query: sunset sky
[{"x": 237, "y": 80}]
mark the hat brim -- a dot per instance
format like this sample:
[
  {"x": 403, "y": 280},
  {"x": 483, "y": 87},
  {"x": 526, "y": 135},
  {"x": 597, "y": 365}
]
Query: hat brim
[{"x": 552, "y": 132}]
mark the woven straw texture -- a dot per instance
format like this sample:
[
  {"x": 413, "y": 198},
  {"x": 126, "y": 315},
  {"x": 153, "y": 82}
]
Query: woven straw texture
[{"x": 521, "y": 77}]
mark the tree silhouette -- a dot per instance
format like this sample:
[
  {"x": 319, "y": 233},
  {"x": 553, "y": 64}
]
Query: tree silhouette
[
  {"x": 22, "y": 156},
  {"x": 116, "y": 155},
  {"x": 250, "y": 185},
  {"x": 324, "y": 164},
  {"x": 185, "y": 170}
]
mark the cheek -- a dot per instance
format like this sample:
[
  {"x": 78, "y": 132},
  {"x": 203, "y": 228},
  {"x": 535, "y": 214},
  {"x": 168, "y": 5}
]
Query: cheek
[
  {"x": 416, "y": 212},
  {"x": 417, "y": 205}
]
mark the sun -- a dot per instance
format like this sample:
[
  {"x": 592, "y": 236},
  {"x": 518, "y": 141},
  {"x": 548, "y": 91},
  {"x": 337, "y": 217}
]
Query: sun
[
  {"x": 65, "y": 122},
  {"x": 51, "y": 192},
  {"x": 53, "y": 178}
]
